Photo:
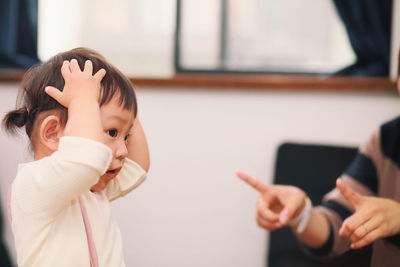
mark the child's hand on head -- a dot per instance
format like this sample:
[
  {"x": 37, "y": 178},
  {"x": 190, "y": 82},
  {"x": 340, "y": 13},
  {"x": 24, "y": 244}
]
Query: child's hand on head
[
  {"x": 81, "y": 97},
  {"x": 79, "y": 85}
]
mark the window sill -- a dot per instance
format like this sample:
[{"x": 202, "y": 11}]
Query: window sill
[
  {"x": 286, "y": 82},
  {"x": 277, "y": 82}
]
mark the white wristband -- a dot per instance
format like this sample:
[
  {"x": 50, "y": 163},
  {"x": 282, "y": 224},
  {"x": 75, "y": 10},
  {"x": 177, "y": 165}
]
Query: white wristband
[{"x": 301, "y": 221}]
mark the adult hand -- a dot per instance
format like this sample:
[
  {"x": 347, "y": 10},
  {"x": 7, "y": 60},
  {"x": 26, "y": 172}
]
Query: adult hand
[
  {"x": 374, "y": 217},
  {"x": 277, "y": 204}
]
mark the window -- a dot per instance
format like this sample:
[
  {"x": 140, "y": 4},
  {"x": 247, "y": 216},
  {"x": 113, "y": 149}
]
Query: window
[
  {"x": 304, "y": 36},
  {"x": 134, "y": 35}
]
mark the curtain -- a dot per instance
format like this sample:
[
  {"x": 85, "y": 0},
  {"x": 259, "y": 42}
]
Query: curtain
[
  {"x": 18, "y": 33},
  {"x": 368, "y": 26}
]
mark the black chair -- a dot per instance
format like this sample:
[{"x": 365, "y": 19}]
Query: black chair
[{"x": 314, "y": 168}]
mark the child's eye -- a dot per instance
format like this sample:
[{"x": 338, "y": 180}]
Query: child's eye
[
  {"x": 112, "y": 133},
  {"x": 126, "y": 137}
]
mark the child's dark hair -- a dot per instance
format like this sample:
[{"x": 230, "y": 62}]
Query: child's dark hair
[{"x": 32, "y": 98}]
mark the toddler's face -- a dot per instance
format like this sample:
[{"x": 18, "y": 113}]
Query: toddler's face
[{"x": 117, "y": 124}]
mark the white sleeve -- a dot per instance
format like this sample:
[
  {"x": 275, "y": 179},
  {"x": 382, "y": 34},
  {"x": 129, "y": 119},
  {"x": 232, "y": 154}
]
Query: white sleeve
[
  {"x": 47, "y": 185},
  {"x": 130, "y": 177}
]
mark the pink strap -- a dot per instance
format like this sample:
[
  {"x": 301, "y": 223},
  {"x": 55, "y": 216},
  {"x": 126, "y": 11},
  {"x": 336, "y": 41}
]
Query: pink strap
[{"x": 92, "y": 248}]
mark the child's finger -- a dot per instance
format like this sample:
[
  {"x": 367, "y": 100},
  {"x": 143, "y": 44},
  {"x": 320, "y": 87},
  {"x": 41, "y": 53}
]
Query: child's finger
[
  {"x": 65, "y": 71},
  {"x": 353, "y": 197},
  {"x": 54, "y": 93},
  {"x": 100, "y": 74},
  {"x": 74, "y": 66},
  {"x": 253, "y": 182},
  {"x": 88, "y": 67}
]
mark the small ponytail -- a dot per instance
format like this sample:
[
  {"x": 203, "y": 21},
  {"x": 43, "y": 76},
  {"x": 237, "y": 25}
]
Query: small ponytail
[{"x": 15, "y": 119}]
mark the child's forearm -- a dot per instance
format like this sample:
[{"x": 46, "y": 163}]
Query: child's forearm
[
  {"x": 84, "y": 120},
  {"x": 132, "y": 173},
  {"x": 138, "y": 150}
]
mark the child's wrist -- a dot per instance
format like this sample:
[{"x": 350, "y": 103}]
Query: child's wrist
[
  {"x": 83, "y": 102},
  {"x": 84, "y": 120}
]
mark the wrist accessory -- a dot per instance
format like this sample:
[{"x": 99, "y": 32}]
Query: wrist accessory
[{"x": 301, "y": 221}]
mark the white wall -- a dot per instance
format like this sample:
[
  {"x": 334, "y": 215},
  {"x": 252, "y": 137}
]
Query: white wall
[
  {"x": 12, "y": 151},
  {"x": 192, "y": 210}
]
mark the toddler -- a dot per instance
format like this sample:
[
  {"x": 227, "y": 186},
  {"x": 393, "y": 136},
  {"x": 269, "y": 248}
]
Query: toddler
[{"x": 89, "y": 148}]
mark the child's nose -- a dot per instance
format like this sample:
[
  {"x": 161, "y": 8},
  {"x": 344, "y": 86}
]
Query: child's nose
[{"x": 122, "y": 151}]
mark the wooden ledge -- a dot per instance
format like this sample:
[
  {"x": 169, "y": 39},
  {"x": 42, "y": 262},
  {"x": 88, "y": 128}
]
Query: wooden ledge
[
  {"x": 287, "y": 82},
  {"x": 10, "y": 75}
]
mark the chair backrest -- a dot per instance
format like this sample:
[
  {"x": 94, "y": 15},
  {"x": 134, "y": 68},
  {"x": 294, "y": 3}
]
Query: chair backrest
[{"x": 314, "y": 168}]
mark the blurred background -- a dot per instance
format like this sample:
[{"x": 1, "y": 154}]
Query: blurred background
[{"x": 192, "y": 210}]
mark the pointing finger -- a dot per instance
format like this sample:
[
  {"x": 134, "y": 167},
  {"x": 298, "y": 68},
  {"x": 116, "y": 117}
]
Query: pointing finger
[
  {"x": 352, "y": 223},
  {"x": 367, "y": 239},
  {"x": 253, "y": 182}
]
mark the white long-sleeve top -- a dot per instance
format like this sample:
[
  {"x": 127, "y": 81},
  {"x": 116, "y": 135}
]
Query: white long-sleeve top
[{"x": 46, "y": 217}]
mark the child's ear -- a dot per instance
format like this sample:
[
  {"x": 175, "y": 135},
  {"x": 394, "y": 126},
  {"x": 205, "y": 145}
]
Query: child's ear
[{"x": 50, "y": 132}]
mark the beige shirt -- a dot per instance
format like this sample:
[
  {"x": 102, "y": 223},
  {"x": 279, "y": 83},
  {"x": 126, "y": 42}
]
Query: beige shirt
[
  {"x": 46, "y": 217},
  {"x": 375, "y": 173}
]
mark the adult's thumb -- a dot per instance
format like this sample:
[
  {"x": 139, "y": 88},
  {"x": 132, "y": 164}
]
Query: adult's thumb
[
  {"x": 284, "y": 217},
  {"x": 287, "y": 214},
  {"x": 292, "y": 201},
  {"x": 348, "y": 193}
]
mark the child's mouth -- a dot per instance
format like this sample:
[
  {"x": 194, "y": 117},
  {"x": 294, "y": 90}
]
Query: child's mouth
[{"x": 113, "y": 173}]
